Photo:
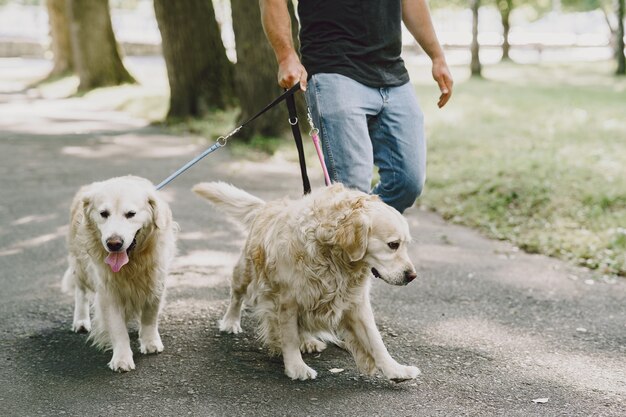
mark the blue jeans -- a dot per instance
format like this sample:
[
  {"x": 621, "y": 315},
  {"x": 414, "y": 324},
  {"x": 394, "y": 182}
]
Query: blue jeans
[{"x": 361, "y": 126}]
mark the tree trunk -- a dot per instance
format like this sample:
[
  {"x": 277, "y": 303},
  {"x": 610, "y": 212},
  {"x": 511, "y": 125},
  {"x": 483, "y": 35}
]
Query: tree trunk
[
  {"x": 95, "y": 50},
  {"x": 58, "y": 16},
  {"x": 256, "y": 71},
  {"x": 505, "y": 7},
  {"x": 475, "y": 65},
  {"x": 199, "y": 72},
  {"x": 621, "y": 57}
]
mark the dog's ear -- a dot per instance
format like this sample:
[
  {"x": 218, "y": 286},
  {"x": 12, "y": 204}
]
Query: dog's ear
[
  {"x": 161, "y": 213},
  {"x": 353, "y": 234},
  {"x": 85, "y": 204}
]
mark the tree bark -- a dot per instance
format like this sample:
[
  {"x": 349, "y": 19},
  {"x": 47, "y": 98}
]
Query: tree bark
[
  {"x": 256, "y": 71},
  {"x": 95, "y": 51},
  {"x": 199, "y": 72},
  {"x": 475, "y": 65},
  {"x": 58, "y": 16},
  {"x": 505, "y": 7},
  {"x": 619, "y": 48}
]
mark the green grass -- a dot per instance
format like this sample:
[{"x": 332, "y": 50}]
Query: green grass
[{"x": 535, "y": 155}]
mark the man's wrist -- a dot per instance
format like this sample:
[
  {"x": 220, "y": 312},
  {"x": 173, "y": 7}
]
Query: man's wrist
[
  {"x": 286, "y": 56},
  {"x": 439, "y": 59}
]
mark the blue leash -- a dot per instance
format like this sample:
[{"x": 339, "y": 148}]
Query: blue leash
[
  {"x": 223, "y": 140},
  {"x": 188, "y": 165}
]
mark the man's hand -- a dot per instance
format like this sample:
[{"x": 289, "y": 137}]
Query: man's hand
[
  {"x": 290, "y": 71},
  {"x": 277, "y": 27},
  {"x": 442, "y": 75}
]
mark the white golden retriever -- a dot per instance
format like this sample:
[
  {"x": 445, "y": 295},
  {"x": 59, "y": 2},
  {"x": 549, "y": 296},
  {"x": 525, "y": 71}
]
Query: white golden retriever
[
  {"x": 306, "y": 269},
  {"x": 121, "y": 242}
]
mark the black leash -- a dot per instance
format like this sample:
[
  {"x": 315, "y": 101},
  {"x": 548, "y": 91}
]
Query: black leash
[
  {"x": 288, "y": 95},
  {"x": 297, "y": 137}
]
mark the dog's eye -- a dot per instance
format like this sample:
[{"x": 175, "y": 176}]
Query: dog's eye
[
  {"x": 104, "y": 214},
  {"x": 130, "y": 215},
  {"x": 393, "y": 245}
]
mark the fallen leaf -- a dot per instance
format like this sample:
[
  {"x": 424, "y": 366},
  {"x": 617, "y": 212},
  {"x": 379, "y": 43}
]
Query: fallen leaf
[
  {"x": 336, "y": 370},
  {"x": 541, "y": 400}
]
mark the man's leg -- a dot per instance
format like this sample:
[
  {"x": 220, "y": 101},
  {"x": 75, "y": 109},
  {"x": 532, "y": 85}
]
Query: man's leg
[
  {"x": 340, "y": 108},
  {"x": 399, "y": 146}
]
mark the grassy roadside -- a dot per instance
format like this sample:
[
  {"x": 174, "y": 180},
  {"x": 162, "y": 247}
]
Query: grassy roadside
[{"x": 535, "y": 155}]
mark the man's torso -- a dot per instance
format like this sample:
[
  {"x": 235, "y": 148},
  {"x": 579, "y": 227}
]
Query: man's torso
[{"x": 360, "y": 39}]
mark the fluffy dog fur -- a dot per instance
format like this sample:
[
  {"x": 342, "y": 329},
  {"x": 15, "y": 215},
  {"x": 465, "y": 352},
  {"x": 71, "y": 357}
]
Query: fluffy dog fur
[
  {"x": 306, "y": 268},
  {"x": 121, "y": 243}
]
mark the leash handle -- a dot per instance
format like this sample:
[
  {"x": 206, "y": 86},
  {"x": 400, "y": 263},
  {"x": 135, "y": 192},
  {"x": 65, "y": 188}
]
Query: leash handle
[
  {"x": 288, "y": 93},
  {"x": 295, "y": 129}
]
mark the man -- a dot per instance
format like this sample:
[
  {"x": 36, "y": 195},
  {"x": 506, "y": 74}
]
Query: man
[{"x": 358, "y": 87}]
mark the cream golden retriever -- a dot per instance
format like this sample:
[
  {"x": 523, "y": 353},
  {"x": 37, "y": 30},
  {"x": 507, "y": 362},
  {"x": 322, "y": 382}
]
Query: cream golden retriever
[
  {"x": 121, "y": 243},
  {"x": 306, "y": 270}
]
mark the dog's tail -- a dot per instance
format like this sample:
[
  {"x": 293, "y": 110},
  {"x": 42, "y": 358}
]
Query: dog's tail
[{"x": 234, "y": 201}]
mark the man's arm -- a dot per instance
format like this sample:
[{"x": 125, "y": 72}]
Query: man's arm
[
  {"x": 416, "y": 17},
  {"x": 277, "y": 26}
]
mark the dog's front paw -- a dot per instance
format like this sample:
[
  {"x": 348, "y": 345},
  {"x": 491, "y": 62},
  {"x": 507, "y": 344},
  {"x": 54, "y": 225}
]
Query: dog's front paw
[
  {"x": 230, "y": 326},
  {"x": 81, "y": 326},
  {"x": 312, "y": 345},
  {"x": 402, "y": 373},
  {"x": 152, "y": 345},
  {"x": 122, "y": 362},
  {"x": 300, "y": 371}
]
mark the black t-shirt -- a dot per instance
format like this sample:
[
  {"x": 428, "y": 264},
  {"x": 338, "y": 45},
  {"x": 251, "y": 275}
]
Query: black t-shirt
[{"x": 361, "y": 39}]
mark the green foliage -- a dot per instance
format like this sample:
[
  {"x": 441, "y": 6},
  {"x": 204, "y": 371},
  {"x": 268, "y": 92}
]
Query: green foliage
[
  {"x": 124, "y": 4},
  {"x": 23, "y": 2},
  {"x": 537, "y": 156},
  {"x": 258, "y": 144},
  {"x": 213, "y": 125},
  {"x": 533, "y": 8},
  {"x": 440, "y": 4},
  {"x": 583, "y": 5}
]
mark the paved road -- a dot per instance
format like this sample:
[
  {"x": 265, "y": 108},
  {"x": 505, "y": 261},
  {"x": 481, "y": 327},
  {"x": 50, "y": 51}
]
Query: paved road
[{"x": 492, "y": 329}]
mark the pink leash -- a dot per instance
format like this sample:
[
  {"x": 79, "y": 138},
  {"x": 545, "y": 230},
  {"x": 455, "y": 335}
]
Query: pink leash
[{"x": 316, "y": 141}]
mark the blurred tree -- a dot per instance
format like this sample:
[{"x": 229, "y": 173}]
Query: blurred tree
[
  {"x": 475, "y": 65},
  {"x": 95, "y": 51},
  {"x": 58, "y": 16},
  {"x": 505, "y": 7},
  {"x": 200, "y": 75},
  {"x": 621, "y": 57},
  {"x": 256, "y": 71},
  {"x": 616, "y": 27}
]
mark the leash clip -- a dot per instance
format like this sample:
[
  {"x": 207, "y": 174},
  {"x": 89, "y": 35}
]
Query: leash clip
[
  {"x": 223, "y": 140},
  {"x": 295, "y": 122},
  {"x": 314, "y": 131}
]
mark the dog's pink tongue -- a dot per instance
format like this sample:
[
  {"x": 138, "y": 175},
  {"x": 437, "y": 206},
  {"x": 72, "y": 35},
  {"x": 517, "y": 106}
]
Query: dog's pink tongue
[{"x": 116, "y": 260}]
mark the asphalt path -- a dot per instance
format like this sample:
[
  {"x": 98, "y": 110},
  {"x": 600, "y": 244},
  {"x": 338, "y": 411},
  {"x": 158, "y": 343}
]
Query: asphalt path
[{"x": 494, "y": 331}]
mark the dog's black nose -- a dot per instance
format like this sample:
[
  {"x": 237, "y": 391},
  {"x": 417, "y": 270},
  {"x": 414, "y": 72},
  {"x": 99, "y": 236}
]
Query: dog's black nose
[
  {"x": 409, "y": 276},
  {"x": 115, "y": 243}
]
